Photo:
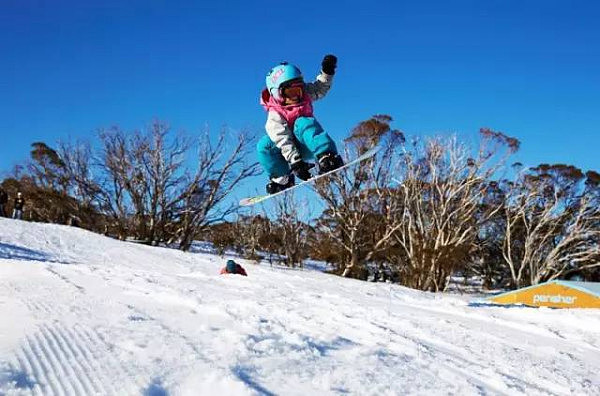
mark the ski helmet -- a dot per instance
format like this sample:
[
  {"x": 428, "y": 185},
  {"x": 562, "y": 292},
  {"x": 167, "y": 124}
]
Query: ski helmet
[
  {"x": 279, "y": 75},
  {"x": 231, "y": 267}
]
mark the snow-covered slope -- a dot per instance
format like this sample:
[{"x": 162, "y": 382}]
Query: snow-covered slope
[{"x": 84, "y": 314}]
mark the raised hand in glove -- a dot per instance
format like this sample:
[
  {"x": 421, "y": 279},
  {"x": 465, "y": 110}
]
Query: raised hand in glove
[
  {"x": 302, "y": 169},
  {"x": 329, "y": 64}
]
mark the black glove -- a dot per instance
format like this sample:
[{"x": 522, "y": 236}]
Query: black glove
[
  {"x": 302, "y": 169},
  {"x": 329, "y": 64}
]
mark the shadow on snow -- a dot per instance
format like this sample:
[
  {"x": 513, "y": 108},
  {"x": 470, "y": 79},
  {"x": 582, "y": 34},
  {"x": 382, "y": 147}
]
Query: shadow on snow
[
  {"x": 14, "y": 252},
  {"x": 243, "y": 374}
]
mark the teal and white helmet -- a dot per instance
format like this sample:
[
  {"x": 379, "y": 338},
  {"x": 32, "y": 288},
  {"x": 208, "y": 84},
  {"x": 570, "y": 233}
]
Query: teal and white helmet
[{"x": 279, "y": 76}]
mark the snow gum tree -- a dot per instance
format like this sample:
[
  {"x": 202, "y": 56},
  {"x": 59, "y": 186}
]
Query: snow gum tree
[
  {"x": 254, "y": 234},
  {"x": 47, "y": 168},
  {"x": 440, "y": 198},
  {"x": 142, "y": 172},
  {"x": 49, "y": 191},
  {"x": 152, "y": 185},
  {"x": 552, "y": 223},
  {"x": 221, "y": 167},
  {"x": 291, "y": 230},
  {"x": 354, "y": 198}
]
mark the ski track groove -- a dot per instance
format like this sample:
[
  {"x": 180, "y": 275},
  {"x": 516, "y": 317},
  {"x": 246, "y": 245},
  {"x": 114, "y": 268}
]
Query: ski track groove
[
  {"x": 449, "y": 357},
  {"x": 544, "y": 381},
  {"x": 453, "y": 358},
  {"x": 110, "y": 367},
  {"x": 479, "y": 382},
  {"x": 47, "y": 348},
  {"x": 71, "y": 361},
  {"x": 33, "y": 366},
  {"x": 118, "y": 370},
  {"x": 91, "y": 359},
  {"x": 24, "y": 365},
  {"x": 58, "y": 371},
  {"x": 43, "y": 370},
  {"x": 439, "y": 354},
  {"x": 40, "y": 309},
  {"x": 547, "y": 377},
  {"x": 58, "y": 354},
  {"x": 82, "y": 359},
  {"x": 66, "y": 280},
  {"x": 46, "y": 353}
]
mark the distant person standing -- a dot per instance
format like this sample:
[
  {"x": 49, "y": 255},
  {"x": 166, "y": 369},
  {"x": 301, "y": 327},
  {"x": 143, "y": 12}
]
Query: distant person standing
[
  {"x": 19, "y": 205},
  {"x": 3, "y": 202}
]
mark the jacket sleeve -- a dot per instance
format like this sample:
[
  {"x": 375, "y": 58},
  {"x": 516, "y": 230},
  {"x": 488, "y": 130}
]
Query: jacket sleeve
[
  {"x": 319, "y": 88},
  {"x": 280, "y": 133}
]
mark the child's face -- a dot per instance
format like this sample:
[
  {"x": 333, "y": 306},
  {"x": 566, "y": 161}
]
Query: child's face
[{"x": 293, "y": 93}]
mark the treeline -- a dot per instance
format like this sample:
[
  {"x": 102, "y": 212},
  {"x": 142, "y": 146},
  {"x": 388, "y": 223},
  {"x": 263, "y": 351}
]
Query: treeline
[
  {"x": 137, "y": 185},
  {"x": 420, "y": 211}
]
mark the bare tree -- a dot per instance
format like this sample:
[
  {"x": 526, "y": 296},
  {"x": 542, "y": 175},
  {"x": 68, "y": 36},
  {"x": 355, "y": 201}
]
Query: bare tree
[
  {"x": 292, "y": 231},
  {"x": 163, "y": 162},
  {"x": 78, "y": 161},
  {"x": 251, "y": 231},
  {"x": 121, "y": 180},
  {"x": 224, "y": 236},
  {"x": 442, "y": 188},
  {"x": 222, "y": 166},
  {"x": 47, "y": 169},
  {"x": 552, "y": 223},
  {"x": 354, "y": 197},
  {"x": 142, "y": 183},
  {"x": 45, "y": 183}
]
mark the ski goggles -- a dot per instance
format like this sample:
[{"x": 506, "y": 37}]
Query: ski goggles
[{"x": 293, "y": 91}]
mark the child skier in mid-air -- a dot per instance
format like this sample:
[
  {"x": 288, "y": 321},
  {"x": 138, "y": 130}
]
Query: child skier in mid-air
[{"x": 293, "y": 134}]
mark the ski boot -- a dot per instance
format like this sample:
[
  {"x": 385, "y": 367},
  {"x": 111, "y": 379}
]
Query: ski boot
[
  {"x": 329, "y": 161},
  {"x": 278, "y": 184}
]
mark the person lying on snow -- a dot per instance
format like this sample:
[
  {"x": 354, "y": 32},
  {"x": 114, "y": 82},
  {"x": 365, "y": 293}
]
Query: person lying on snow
[{"x": 233, "y": 268}]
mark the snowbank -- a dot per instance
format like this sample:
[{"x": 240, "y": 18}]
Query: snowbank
[{"x": 86, "y": 314}]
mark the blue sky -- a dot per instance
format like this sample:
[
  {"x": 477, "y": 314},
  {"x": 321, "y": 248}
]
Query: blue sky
[{"x": 527, "y": 68}]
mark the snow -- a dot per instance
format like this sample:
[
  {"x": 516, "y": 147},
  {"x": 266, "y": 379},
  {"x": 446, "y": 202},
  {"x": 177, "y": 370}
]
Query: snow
[{"x": 85, "y": 314}]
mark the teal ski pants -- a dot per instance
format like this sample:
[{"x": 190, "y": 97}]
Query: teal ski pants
[{"x": 311, "y": 140}]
